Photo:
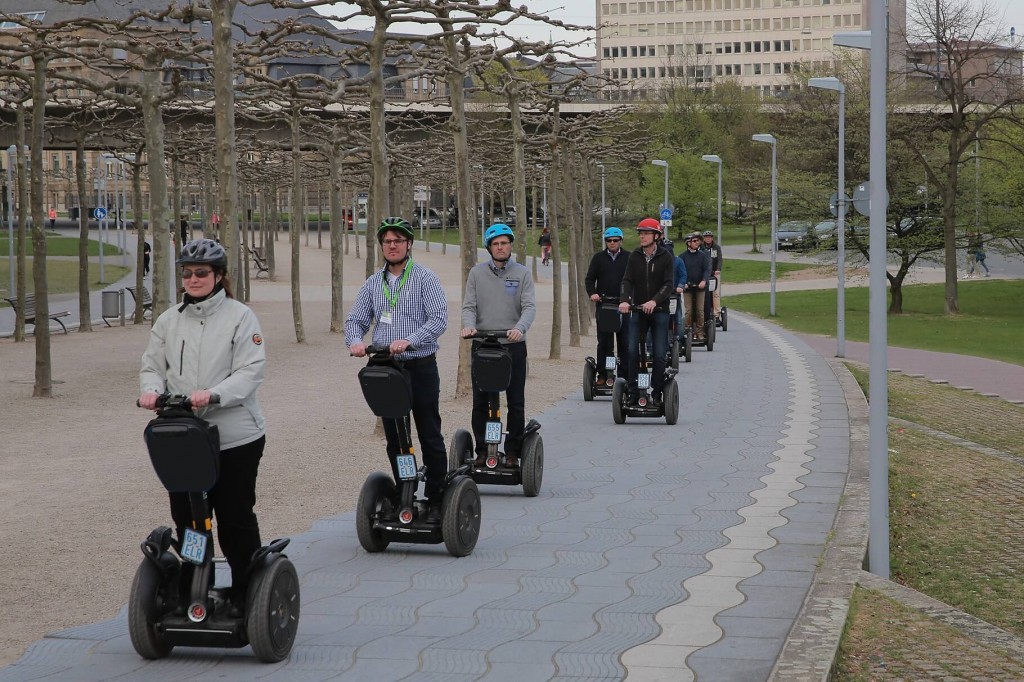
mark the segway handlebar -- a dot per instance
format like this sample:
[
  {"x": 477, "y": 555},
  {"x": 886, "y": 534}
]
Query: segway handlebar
[
  {"x": 373, "y": 349},
  {"x": 178, "y": 400},
  {"x": 487, "y": 333}
]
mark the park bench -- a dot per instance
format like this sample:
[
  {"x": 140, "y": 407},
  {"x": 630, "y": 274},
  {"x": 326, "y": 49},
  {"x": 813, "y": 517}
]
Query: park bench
[
  {"x": 259, "y": 261},
  {"x": 147, "y": 300},
  {"x": 28, "y": 307}
]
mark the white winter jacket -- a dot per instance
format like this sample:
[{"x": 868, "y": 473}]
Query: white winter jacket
[{"x": 213, "y": 345}]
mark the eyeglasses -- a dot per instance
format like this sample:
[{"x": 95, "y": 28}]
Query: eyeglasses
[
  {"x": 694, "y": 240},
  {"x": 613, "y": 241},
  {"x": 394, "y": 242},
  {"x": 497, "y": 243},
  {"x": 201, "y": 273}
]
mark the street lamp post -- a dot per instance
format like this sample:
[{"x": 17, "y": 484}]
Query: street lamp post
[
  {"x": 601, "y": 166},
  {"x": 832, "y": 83},
  {"x": 770, "y": 139},
  {"x": 715, "y": 158},
  {"x": 664, "y": 164}
]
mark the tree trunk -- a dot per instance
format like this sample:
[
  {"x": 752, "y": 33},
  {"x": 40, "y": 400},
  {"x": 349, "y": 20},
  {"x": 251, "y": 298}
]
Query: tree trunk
[
  {"x": 294, "y": 226},
  {"x": 175, "y": 214},
  {"x": 84, "y": 305},
  {"x": 43, "y": 387},
  {"x": 586, "y": 250},
  {"x": 21, "y": 282},
  {"x": 555, "y": 350},
  {"x": 518, "y": 170},
  {"x": 573, "y": 231},
  {"x": 463, "y": 190},
  {"x": 379, "y": 206},
  {"x": 140, "y": 229},
  {"x": 224, "y": 124},
  {"x": 952, "y": 300},
  {"x": 337, "y": 258},
  {"x": 152, "y": 115},
  {"x": 535, "y": 225},
  {"x": 896, "y": 292}
]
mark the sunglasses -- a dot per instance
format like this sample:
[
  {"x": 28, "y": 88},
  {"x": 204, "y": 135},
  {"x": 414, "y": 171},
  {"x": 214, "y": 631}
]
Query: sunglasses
[
  {"x": 201, "y": 273},
  {"x": 614, "y": 240}
]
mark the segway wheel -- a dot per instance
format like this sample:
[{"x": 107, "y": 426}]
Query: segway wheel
[
  {"x": 618, "y": 397},
  {"x": 272, "y": 618},
  {"x": 460, "y": 524},
  {"x": 589, "y": 375},
  {"x": 674, "y": 357},
  {"x": 377, "y": 494},
  {"x": 145, "y": 606},
  {"x": 725, "y": 319},
  {"x": 688, "y": 347},
  {"x": 670, "y": 395},
  {"x": 710, "y": 343},
  {"x": 460, "y": 450},
  {"x": 532, "y": 464}
]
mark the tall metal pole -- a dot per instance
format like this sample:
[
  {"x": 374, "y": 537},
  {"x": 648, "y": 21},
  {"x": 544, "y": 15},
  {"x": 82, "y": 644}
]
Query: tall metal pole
[
  {"x": 666, "y": 186},
  {"x": 100, "y": 191},
  {"x": 775, "y": 222},
  {"x": 841, "y": 232},
  {"x": 878, "y": 398},
  {"x": 719, "y": 204}
]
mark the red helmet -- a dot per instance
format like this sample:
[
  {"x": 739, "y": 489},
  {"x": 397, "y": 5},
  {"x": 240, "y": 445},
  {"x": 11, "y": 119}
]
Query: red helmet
[{"x": 649, "y": 225}]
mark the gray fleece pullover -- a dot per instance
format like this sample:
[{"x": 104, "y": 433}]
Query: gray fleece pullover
[{"x": 499, "y": 298}]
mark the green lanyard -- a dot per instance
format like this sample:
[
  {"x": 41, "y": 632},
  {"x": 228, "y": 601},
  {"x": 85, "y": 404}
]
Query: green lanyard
[{"x": 393, "y": 297}]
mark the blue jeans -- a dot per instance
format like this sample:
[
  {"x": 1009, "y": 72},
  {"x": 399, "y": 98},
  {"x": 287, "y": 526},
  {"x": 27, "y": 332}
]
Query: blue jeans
[
  {"x": 639, "y": 324},
  {"x": 426, "y": 398}
]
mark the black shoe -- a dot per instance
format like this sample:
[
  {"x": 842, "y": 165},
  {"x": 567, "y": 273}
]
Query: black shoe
[
  {"x": 236, "y": 602},
  {"x": 433, "y": 514},
  {"x": 655, "y": 402}
]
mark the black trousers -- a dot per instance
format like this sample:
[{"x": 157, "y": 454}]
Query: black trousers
[
  {"x": 426, "y": 399},
  {"x": 515, "y": 396},
  {"x": 619, "y": 339},
  {"x": 232, "y": 500}
]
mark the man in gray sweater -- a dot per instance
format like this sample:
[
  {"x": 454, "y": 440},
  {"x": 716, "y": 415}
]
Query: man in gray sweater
[{"x": 499, "y": 296}]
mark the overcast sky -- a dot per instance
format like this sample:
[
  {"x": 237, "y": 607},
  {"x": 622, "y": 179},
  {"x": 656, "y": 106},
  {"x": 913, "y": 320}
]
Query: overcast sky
[{"x": 583, "y": 12}]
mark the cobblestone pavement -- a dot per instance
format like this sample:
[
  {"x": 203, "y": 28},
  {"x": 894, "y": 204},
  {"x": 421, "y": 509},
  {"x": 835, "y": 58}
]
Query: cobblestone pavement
[{"x": 652, "y": 553}]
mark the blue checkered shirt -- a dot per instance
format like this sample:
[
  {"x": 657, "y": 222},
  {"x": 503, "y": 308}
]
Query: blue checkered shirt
[{"x": 420, "y": 315}]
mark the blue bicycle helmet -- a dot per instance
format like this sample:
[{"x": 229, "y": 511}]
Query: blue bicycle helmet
[
  {"x": 498, "y": 230},
  {"x": 613, "y": 232},
  {"x": 204, "y": 251}
]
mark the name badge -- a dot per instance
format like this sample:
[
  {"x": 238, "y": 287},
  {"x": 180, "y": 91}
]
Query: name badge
[{"x": 386, "y": 318}]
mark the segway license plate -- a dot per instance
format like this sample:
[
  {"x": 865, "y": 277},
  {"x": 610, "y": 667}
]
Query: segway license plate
[
  {"x": 609, "y": 362},
  {"x": 493, "y": 433},
  {"x": 643, "y": 381},
  {"x": 193, "y": 548},
  {"x": 672, "y": 306},
  {"x": 406, "y": 467}
]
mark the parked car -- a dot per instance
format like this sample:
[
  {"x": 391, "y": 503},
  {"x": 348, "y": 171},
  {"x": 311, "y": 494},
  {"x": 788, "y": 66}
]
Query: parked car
[
  {"x": 431, "y": 219},
  {"x": 793, "y": 234}
]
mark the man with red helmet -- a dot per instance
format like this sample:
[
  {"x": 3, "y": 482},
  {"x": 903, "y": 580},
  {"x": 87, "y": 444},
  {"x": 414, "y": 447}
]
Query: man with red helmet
[{"x": 648, "y": 284}]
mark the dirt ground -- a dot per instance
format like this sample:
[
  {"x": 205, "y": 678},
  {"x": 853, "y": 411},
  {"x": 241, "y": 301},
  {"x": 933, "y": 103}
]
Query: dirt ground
[{"x": 78, "y": 494}]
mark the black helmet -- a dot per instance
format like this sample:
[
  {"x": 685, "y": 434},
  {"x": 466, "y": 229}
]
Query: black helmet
[
  {"x": 396, "y": 223},
  {"x": 204, "y": 251}
]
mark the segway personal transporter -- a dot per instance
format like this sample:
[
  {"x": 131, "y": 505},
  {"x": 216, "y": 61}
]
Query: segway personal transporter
[
  {"x": 674, "y": 347},
  {"x": 492, "y": 372},
  {"x": 388, "y": 510},
  {"x": 597, "y": 381},
  {"x": 166, "y": 608},
  {"x": 722, "y": 320},
  {"x": 669, "y": 408},
  {"x": 708, "y": 341}
]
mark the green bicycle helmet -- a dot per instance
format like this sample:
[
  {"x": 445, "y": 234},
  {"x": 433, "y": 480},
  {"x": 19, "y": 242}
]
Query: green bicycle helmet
[{"x": 398, "y": 224}]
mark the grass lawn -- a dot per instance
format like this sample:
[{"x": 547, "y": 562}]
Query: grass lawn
[
  {"x": 738, "y": 271},
  {"x": 57, "y": 245},
  {"x": 990, "y": 325},
  {"x": 62, "y": 276}
]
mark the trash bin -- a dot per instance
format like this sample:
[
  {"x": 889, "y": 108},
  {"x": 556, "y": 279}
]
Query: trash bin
[{"x": 111, "y": 303}]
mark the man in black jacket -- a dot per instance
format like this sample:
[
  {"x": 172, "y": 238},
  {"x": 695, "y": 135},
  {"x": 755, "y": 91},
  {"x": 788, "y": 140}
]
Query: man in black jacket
[
  {"x": 604, "y": 279},
  {"x": 648, "y": 284},
  {"x": 715, "y": 251},
  {"x": 698, "y": 270}
]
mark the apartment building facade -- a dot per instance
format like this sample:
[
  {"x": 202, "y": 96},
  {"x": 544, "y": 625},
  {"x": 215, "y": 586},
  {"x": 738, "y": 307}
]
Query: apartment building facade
[{"x": 649, "y": 45}]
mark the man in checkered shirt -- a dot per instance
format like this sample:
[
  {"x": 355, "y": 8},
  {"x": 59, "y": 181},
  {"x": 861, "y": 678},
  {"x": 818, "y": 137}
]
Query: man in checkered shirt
[{"x": 406, "y": 305}]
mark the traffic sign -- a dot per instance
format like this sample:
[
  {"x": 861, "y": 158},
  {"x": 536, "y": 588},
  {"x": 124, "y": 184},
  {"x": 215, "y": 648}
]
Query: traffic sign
[
  {"x": 833, "y": 205},
  {"x": 99, "y": 213},
  {"x": 862, "y": 198},
  {"x": 666, "y": 214},
  {"x": 666, "y": 223}
]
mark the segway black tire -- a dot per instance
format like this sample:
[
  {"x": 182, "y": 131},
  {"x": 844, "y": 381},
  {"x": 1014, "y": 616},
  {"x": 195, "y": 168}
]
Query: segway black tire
[
  {"x": 674, "y": 357},
  {"x": 710, "y": 343},
  {"x": 272, "y": 615},
  {"x": 670, "y": 398},
  {"x": 589, "y": 375},
  {"x": 688, "y": 347},
  {"x": 460, "y": 450},
  {"x": 460, "y": 522},
  {"x": 144, "y": 609},
  {"x": 618, "y": 396},
  {"x": 377, "y": 493},
  {"x": 725, "y": 319},
  {"x": 531, "y": 463}
]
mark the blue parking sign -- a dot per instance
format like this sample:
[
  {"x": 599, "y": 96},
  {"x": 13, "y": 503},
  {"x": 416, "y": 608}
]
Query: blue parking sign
[{"x": 666, "y": 214}]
